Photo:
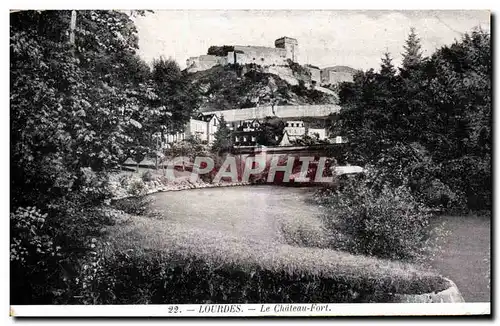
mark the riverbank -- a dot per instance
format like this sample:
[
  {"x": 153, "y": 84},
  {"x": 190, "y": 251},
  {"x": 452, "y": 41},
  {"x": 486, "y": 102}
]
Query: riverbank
[{"x": 130, "y": 184}]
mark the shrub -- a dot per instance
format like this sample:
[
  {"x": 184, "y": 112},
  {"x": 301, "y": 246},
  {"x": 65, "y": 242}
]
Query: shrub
[
  {"x": 387, "y": 223},
  {"x": 31, "y": 239},
  {"x": 410, "y": 165},
  {"x": 147, "y": 176},
  {"x": 136, "y": 187},
  {"x": 134, "y": 205},
  {"x": 34, "y": 257},
  {"x": 137, "y": 277}
]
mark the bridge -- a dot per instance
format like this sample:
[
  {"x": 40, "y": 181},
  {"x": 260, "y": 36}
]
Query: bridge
[{"x": 336, "y": 151}]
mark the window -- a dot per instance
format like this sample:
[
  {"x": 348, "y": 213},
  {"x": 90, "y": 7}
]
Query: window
[
  {"x": 236, "y": 138},
  {"x": 215, "y": 122},
  {"x": 253, "y": 138}
]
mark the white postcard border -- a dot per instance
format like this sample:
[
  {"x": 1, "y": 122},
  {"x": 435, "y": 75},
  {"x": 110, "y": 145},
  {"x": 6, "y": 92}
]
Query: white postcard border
[{"x": 254, "y": 310}]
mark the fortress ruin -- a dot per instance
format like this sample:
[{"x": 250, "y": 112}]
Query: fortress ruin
[{"x": 286, "y": 48}]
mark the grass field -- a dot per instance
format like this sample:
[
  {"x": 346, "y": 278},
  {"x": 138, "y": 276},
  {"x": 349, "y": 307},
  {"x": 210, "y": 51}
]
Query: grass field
[{"x": 232, "y": 236}]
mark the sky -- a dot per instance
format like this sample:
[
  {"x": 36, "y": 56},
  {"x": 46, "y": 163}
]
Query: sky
[{"x": 326, "y": 38}]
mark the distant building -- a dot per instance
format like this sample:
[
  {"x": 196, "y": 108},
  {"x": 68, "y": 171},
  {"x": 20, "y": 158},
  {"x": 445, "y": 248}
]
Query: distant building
[
  {"x": 295, "y": 129},
  {"x": 285, "y": 48},
  {"x": 212, "y": 124},
  {"x": 339, "y": 140},
  {"x": 203, "y": 127},
  {"x": 246, "y": 133},
  {"x": 337, "y": 74}
]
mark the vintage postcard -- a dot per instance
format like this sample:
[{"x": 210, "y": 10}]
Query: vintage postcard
[{"x": 238, "y": 163}]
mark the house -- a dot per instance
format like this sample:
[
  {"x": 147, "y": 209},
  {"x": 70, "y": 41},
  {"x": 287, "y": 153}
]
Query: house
[
  {"x": 202, "y": 127},
  {"x": 295, "y": 129},
  {"x": 246, "y": 133},
  {"x": 212, "y": 125}
]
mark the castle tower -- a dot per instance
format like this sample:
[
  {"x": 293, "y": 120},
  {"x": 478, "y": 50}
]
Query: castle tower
[{"x": 290, "y": 45}]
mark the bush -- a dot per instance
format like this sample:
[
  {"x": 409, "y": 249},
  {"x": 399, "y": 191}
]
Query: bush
[
  {"x": 32, "y": 244},
  {"x": 136, "y": 277},
  {"x": 386, "y": 223},
  {"x": 410, "y": 165},
  {"x": 136, "y": 187},
  {"x": 134, "y": 205},
  {"x": 147, "y": 176}
]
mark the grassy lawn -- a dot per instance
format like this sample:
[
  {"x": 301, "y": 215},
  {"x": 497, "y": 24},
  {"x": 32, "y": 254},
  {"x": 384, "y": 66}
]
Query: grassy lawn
[
  {"x": 247, "y": 244},
  {"x": 224, "y": 249}
]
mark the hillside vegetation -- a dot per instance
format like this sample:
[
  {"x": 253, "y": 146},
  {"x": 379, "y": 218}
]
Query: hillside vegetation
[{"x": 234, "y": 86}]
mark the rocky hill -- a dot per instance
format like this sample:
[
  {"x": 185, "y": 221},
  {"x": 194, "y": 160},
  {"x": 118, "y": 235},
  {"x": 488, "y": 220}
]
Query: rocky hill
[{"x": 236, "y": 86}]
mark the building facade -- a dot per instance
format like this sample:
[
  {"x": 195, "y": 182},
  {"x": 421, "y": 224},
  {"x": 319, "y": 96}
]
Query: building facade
[
  {"x": 203, "y": 127},
  {"x": 337, "y": 74},
  {"x": 295, "y": 129}
]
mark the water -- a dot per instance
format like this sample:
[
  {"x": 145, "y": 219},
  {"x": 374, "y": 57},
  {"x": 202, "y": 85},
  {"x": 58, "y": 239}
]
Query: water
[{"x": 465, "y": 258}]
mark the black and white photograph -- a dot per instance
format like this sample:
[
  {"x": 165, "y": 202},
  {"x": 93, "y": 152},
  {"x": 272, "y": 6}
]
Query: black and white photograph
[{"x": 250, "y": 163}]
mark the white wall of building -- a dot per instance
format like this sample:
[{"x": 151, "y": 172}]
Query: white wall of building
[
  {"x": 295, "y": 129},
  {"x": 321, "y": 132}
]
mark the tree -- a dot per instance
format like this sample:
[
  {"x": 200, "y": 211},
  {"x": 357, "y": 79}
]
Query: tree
[
  {"x": 387, "y": 67},
  {"x": 412, "y": 56},
  {"x": 71, "y": 105},
  {"x": 178, "y": 98},
  {"x": 223, "y": 142},
  {"x": 73, "y": 110},
  {"x": 270, "y": 131},
  {"x": 440, "y": 106}
]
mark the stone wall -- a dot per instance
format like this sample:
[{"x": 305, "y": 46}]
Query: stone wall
[
  {"x": 261, "y": 55},
  {"x": 281, "y": 111},
  {"x": 204, "y": 62},
  {"x": 315, "y": 74}
]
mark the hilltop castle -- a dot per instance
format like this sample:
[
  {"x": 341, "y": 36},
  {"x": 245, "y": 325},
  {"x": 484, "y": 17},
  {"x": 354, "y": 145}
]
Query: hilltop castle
[
  {"x": 286, "y": 48},
  {"x": 275, "y": 60}
]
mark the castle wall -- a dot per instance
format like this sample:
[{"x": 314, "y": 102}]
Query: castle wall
[
  {"x": 281, "y": 111},
  {"x": 260, "y": 55},
  {"x": 315, "y": 74},
  {"x": 335, "y": 77},
  {"x": 204, "y": 62}
]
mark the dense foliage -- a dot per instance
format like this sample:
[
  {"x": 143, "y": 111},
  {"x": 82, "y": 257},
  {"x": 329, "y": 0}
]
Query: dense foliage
[
  {"x": 223, "y": 141},
  {"x": 382, "y": 220},
  {"x": 430, "y": 121},
  {"x": 79, "y": 107}
]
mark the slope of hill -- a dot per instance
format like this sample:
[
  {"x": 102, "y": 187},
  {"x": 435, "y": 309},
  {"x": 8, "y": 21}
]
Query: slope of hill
[
  {"x": 345, "y": 69},
  {"x": 234, "y": 86}
]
